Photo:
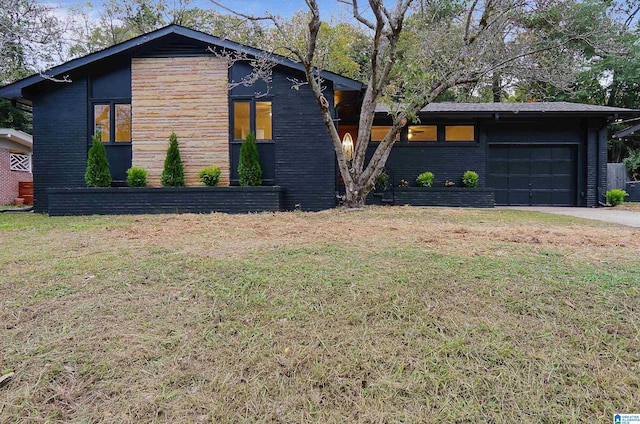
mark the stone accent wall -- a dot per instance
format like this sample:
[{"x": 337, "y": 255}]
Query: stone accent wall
[
  {"x": 9, "y": 179},
  {"x": 185, "y": 95}
]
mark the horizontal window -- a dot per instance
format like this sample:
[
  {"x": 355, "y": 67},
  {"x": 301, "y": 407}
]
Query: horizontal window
[
  {"x": 423, "y": 133},
  {"x": 379, "y": 132},
  {"x": 459, "y": 133}
]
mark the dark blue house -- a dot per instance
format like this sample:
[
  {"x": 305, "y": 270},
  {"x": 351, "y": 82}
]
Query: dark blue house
[{"x": 135, "y": 94}]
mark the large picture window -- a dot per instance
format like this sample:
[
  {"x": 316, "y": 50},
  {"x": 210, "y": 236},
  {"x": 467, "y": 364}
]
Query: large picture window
[
  {"x": 111, "y": 115},
  {"x": 252, "y": 116}
]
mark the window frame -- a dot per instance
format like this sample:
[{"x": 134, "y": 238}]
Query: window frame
[
  {"x": 112, "y": 119},
  {"x": 252, "y": 100},
  {"x": 441, "y": 140},
  {"x": 444, "y": 132}
]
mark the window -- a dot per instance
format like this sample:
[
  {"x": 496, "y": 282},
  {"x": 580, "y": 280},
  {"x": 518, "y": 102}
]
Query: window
[
  {"x": 423, "y": 133},
  {"x": 104, "y": 121},
  {"x": 378, "y": 132},
  {"x": 263, "y": 120},
  {"x": 252, "y": 116},
  {"x": 459, "y": 133}
]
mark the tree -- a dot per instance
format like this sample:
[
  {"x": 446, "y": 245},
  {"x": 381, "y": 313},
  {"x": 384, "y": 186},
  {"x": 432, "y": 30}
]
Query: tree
[
  {"x": 173, "y": 172},
  {"x": 249, "y": 169},
  {"x": 450, "y": 44},
  {"x": 97, "y": 174},
  {"x": 30, "y": 38}
]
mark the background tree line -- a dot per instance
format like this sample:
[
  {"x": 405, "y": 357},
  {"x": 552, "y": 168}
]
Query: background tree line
[{"x": 599, "y": 64}]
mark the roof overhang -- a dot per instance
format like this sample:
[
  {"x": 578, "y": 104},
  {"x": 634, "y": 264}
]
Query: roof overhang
[
  {"x": 499, "y": 111},
  {"x": 15, "y": 91},
  {"x": 19, "y": 137}
]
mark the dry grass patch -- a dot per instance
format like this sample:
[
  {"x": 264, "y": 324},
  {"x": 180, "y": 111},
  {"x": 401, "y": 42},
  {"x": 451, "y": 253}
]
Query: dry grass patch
[{"x": 380, "y": 315}]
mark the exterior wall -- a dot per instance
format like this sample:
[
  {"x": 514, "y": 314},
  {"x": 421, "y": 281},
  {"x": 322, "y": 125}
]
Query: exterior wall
[
  {"x": 9, "y": 179},
  {"x": 305, "y": 160},
  {"x": 60, "y": 118},
  {"x": 185, "y": 95},
  {"x": 558, "y": 131},
  {"x": 129, "y": 200},
  {"x": 447, "y": 161}
]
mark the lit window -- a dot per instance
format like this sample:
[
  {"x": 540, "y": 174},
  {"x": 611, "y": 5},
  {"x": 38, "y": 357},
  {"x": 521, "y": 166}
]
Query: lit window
[
  {"x": 123, "y": 123},
  {"x": 263, "y": 120},
  {"x": 423, "y": 133},
  {"x": 241, "y": 121},
  {"x": 459, "y": 133},
  {"x": 379, "y": 132},
  {"x": 102, "y": 121},
  {"x": 110, "y": 115}
]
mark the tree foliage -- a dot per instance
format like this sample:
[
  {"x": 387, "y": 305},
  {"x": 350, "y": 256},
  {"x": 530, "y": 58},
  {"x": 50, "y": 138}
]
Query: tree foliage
[
  {"x": 97, "y": 174},
  {"x": 173, "y": 171},
  {"x": 420, "y": 49},
  {"x": 249, "y": 169}
]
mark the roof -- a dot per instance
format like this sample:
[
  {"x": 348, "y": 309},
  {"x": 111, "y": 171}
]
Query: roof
[
  {"x": 517, "y": 108},
  {"x": 627, "y": 131},
  {"x": 14, "y": 90},
  {"x": 19, "y": 137}
]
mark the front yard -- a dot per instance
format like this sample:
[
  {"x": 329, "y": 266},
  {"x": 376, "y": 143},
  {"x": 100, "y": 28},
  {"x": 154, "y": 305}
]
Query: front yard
[{"x": 381, "y": 315}]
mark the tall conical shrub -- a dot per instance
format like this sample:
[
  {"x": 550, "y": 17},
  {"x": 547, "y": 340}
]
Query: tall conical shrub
[
  {"x": 173, "y": 172},
  {"x": 97, "y": 174},
  {"x": 249, "y": 169}
]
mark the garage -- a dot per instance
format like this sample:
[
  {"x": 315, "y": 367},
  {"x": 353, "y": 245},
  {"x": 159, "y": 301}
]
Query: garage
[{"x": 533, "y": 174}]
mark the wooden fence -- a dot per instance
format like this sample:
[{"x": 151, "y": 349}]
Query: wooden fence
[{"x": 616, "y": 176}]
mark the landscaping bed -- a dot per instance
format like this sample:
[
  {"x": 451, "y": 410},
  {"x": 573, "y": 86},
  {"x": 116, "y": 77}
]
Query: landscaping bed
[{"x": 139, "y": 200}]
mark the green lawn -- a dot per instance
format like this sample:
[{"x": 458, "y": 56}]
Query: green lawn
[{"x": 382, "y": 315}]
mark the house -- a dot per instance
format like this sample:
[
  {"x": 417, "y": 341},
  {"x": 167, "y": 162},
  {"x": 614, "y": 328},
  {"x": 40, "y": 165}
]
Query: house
[
  {"x": 136, "y": 93},
  {"x": 15, "y": 163}
]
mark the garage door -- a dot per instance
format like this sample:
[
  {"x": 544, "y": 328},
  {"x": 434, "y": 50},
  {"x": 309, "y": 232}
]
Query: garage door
[{"x": 533, "y": 174}]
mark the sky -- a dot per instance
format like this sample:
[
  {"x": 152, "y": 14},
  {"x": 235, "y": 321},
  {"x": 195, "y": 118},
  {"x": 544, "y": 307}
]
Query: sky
[{"x": 284, "y": 8}]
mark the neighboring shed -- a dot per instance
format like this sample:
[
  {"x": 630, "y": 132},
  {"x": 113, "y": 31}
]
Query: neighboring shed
[{"x": 15, "y": 162}]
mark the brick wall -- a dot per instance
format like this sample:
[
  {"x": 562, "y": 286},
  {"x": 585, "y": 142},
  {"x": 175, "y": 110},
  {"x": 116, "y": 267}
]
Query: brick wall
[
  {"x": 60, "y": 133},
  {"x": 9, "y": 179},
  {"x": 185, "y": 95}
]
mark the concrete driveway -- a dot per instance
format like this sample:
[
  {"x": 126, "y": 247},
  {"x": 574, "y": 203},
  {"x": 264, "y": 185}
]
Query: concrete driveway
[{"x": 629, "y": 218}]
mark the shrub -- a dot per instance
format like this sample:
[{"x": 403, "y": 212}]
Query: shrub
[
  {"x": 136, "y": 177},
  {"x": 249, "y": 169},
  {"x": 97, "y": 174},
  {"x": 210, "y": 176},
  {"x": 616, "y": 197},
  {"x": 173, "y": 172},
  {"x": 382, "y": 181},
  {"x": 632, "y": 163},
  {"x": 470, "y": 179},
  {"x": 425, "y": 179}
]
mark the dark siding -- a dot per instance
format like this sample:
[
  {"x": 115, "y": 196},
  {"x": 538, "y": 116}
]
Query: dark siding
[
  {"x": 305, "y": 160},
  {"x": 115, "y": 201},
  {"x": 441, "y": 196},
  {"x": 602, "y": 164},
  {"x": 447, "y": 161},
  {"x": 553, "y": 131},
  {"x": 59, "y": 135}
]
